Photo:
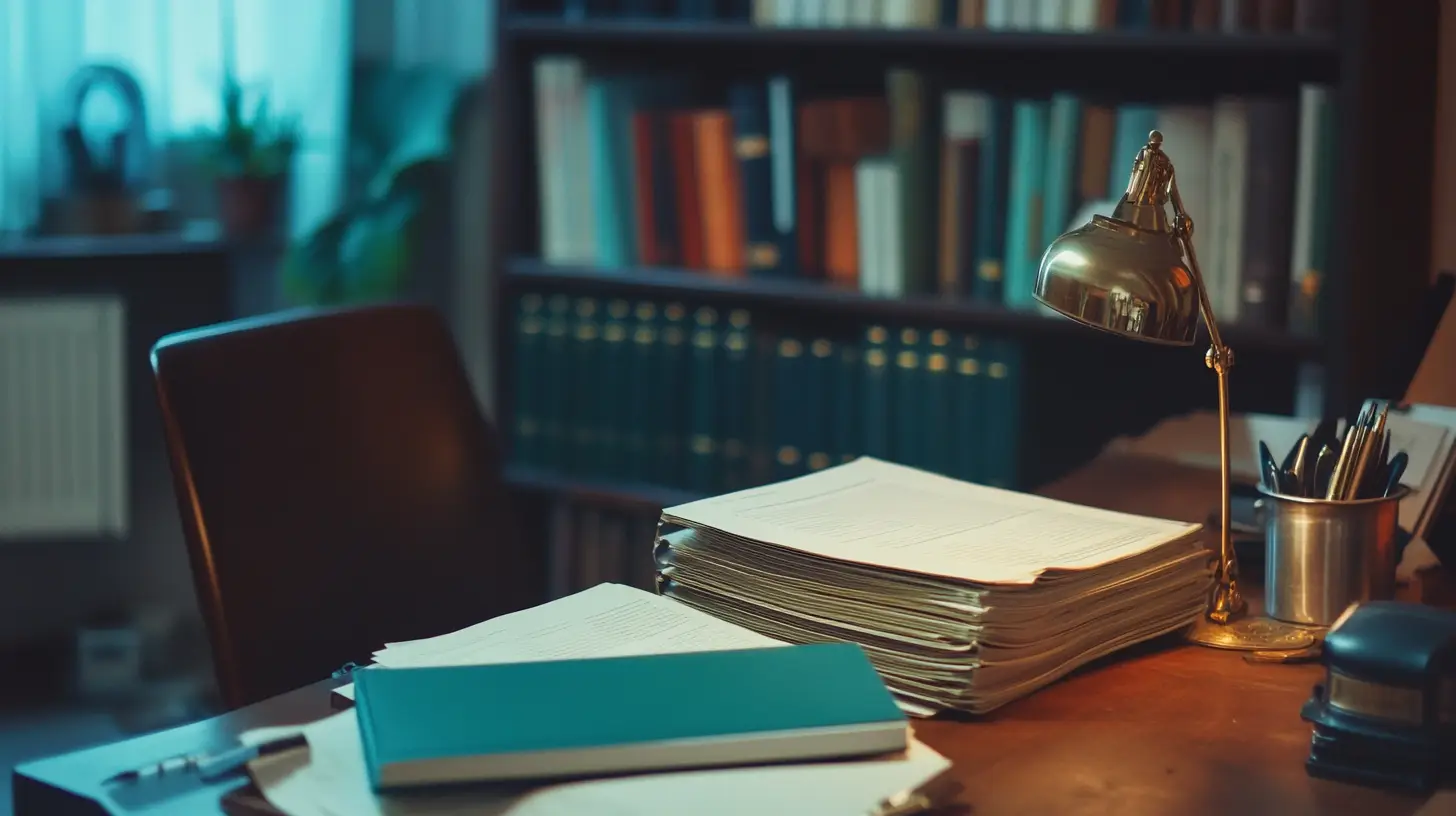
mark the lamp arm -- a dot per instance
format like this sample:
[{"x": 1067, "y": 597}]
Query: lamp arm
[
  {"x": 1183, "y": 231},
  {"x": 1228, "y": 601}
]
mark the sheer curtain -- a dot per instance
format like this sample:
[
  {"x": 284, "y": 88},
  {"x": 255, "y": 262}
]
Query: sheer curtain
[{"x": 297, "y": 51}]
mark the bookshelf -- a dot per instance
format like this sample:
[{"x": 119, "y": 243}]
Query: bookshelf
[{"x": 1379, "y": 67}]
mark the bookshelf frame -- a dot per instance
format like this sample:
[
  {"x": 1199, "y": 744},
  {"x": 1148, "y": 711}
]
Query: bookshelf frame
[{"x": 1381, "y": 64}]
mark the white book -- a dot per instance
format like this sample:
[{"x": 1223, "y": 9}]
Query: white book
[
  {"x": 868, "y": 217},
  {"x": 998, "y": 14},
  {"x": 552, "y": 168},
  {"x": 897, "y": 13},
  {"x": 811, "y": 13},
  {"x": 864, "y": 13},
  {"x": 836, "y": 13},
  {"x": 1051, "y": 15},
  {"x": 1228, "y": 185},
  {"x": 1024, "y": 14},
  {"x": 892, "y": 245},
  {"x": 1081, "y": 15}
]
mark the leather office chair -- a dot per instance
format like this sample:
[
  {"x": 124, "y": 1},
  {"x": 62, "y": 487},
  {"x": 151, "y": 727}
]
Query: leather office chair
[{"x": 339, "y": 488}]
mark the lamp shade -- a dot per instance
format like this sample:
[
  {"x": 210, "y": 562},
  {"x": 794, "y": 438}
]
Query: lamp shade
[
  {"x": 1115, "y": 275},
  {"x": 1126, "y": 274}
]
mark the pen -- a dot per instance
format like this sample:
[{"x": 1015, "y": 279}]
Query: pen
[
  {"x": 210, "y": 766},
  {"x": 905, "y": 803}
]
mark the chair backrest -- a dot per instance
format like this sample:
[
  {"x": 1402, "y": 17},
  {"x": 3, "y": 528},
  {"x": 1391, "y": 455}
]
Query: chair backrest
[{"x": 339, "y": 489}]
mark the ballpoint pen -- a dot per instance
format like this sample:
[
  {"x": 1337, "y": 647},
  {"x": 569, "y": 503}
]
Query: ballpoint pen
[
  {"x": 904, "y": 803},
  {"x": 210, "y": 766}
]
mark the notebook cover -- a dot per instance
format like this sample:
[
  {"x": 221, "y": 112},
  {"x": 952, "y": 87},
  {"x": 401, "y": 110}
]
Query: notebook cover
[{"x": 436, "y": 714}]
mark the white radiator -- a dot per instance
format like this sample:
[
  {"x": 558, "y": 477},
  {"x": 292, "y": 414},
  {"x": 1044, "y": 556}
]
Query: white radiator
[{"x": 63, "y": 450}]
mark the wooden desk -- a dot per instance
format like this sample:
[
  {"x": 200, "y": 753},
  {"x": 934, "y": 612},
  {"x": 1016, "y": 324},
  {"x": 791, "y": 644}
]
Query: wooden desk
[{"x": 1160, "y": 729}]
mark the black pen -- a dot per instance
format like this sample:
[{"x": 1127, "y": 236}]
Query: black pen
[{"x": 211, "y": 766}]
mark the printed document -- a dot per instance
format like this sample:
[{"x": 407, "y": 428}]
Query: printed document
[{"x": 608, "y": 620}]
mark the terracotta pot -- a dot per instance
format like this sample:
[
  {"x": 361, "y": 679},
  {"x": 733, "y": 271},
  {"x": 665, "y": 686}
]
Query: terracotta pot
[{"x": 251, "y": 207}]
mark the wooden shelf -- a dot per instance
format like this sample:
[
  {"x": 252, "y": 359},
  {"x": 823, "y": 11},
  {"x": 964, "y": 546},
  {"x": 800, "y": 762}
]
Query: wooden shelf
[
  {"x": 1160, "y": 61},
  {"x": 799, "y": 295},
  {"x": 616, "y": 494}
]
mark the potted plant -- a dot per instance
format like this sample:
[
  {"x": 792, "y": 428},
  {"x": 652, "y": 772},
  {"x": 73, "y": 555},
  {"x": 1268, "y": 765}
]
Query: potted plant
[{"x": 251, "y": 158}]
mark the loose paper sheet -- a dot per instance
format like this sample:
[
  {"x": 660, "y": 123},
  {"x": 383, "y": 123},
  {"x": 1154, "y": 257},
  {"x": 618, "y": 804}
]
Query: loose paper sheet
[
  {"x": 887, "y": 515},
  {"x": 608, "y": 620},
  {"x": 329, "y": 778}
]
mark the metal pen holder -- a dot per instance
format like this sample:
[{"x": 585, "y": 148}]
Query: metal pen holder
[{"x": 1322, "y": 555}]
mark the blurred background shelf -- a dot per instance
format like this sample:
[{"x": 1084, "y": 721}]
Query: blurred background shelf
[{"x": 790, "y": 294}]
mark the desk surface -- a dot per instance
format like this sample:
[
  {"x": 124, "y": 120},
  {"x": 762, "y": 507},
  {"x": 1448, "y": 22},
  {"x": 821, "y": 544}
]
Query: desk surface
[{"x": 1159, "y": 729}]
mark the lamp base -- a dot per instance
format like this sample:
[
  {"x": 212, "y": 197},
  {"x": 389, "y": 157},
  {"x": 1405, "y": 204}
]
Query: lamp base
[{"x": 1255, "y": 634}]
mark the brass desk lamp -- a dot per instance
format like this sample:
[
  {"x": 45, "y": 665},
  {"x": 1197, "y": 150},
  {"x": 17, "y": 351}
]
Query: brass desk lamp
[{"x": 1135, "y": 274}]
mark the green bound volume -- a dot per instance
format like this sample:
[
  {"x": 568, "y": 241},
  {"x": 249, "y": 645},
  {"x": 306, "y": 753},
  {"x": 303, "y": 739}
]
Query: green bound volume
[
  {"x": 672, "y": 415},
  {"x": 909, "y": 401},
  {"x": 530, "y": 378},
  {"x": 876, "y": 393},
  {"x": 733, "y": 400},
  {"x": 641, "y": 383},
  {"x": 936, "y": 415},
  {"x": 584, "y": 409},
  {"x": 573, "y": 718},
  {"x": 555, "y": 375},
  {"x": 703, "y": 435},
  {"x": 818, "y": 404},
  {"x": 790, "y": 400},
  {"x": 616, "y": 351}
]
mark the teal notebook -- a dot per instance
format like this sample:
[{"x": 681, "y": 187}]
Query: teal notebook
[{"x": 574, "y": 718}]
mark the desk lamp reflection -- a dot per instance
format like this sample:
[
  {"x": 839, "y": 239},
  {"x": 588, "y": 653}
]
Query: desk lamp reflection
[{"x": 1135, "y": 274}]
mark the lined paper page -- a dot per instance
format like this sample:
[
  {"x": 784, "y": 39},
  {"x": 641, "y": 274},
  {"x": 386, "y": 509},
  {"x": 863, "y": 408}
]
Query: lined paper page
[
  {"x": 608, "y": 620},
  {"x": 890, "y": 516}
]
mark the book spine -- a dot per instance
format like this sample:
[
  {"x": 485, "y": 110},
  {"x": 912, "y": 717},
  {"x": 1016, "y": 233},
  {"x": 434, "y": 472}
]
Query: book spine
[
  {"x": 789, "y": 454},
  {"x": 909, "y": 396},
  {"x": 1269, "y": 208},
  {"x": 703, "y": 440},
  {"x": 971, "y": 423},
  {"x": 530, "y": 374},
  {"x": 991, "y": 202},
  {"x": 671, "y": 432},
  {"x": 641, "y": 385},
  {"x": 1004, "y": 395},
  {"x": 936, "y": 415},
  {"x": 682, "y": 145},
  {"x": 784, "y": 160},
  {"x": 616, "y": 350},
  {"x": 556, "y": 451},
  {"x": 913, "y": 150},
  {"x": 584, "y": 407},
  {"x": 733, "y": 396},
  {"x": 818, "y": 374},
  {"x": 845, "y": 404},
  {"x": 720, "y": 194},
  {"x": 876, "y": 393},
  {"x": 752, "y": 146}
]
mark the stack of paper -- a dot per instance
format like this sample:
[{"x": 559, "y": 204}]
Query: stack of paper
[{"x": 964, "y": 597}]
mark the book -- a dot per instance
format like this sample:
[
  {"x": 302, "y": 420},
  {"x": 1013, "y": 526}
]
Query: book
[
  {"x": 963, "y": 597},
  {"x": 575, "y": 718},
  {"x": 330, "y": 777}
]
